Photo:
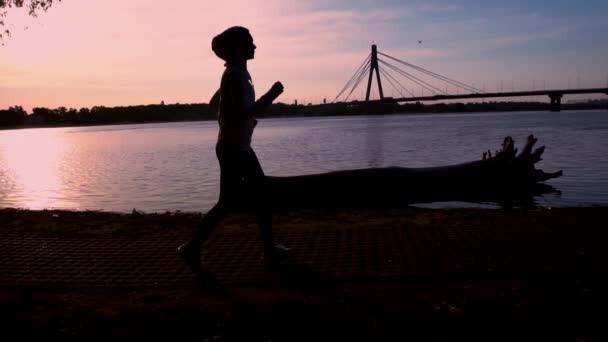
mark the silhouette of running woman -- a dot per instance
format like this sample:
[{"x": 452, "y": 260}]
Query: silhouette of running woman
[{"x": 241, "y": 175}]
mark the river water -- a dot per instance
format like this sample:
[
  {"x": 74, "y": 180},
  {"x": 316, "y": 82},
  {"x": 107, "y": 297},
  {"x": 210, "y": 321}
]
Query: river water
[{"x": 172, "y": 166}]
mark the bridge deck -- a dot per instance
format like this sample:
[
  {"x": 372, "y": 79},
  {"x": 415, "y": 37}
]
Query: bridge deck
[{"x": 500, "y": 94}]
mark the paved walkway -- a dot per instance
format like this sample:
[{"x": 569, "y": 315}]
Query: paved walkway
[{"x": 337, "y": 254}]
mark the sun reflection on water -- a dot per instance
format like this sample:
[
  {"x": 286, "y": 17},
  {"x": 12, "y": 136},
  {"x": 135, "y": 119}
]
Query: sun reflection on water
[{"x": 31, "y": 160}]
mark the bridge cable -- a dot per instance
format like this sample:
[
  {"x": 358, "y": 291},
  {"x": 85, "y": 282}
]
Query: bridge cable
[
  {"x": 388, "y": 75},
  {"x": 443, "y": 78},
  {"x": 428, "y": 72},
  {"x": 358, "y": 81},
  {"x": 355, "y": 76},
  {"x": 385, "y": 74},
  {"x": 361, "y": 77},
  {"x": 413, "y": 78}
]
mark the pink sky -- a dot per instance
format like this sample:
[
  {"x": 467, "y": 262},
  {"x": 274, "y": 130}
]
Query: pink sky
[{"x": 116, "y": 52}]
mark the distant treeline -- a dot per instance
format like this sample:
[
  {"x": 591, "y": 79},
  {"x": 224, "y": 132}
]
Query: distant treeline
[
  {"x": 16, "y": 117},
  {"x": 100, "y": 115}
]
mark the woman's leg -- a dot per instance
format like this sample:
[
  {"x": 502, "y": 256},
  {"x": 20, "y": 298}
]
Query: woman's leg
[
  {"x": 258, "y": 194},
  {"x": 230, "y": 180}
]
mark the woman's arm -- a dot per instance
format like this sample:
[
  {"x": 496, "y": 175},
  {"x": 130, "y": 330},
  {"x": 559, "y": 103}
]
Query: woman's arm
[
  {"x": 234, "y": 99},
  {"x": 214, "y": 103},
  {"x": 265, "y": 100}
]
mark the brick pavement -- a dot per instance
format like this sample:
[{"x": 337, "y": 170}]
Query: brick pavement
[{"x": 342, "y": 254}]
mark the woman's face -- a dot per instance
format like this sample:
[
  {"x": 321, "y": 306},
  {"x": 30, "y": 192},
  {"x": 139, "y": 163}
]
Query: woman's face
[{"x": 249, "y": 48}]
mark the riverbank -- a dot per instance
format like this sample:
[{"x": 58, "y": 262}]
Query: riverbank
[
  {"x": 17, "y": 118},
  {"x": 376, "y": 274}
]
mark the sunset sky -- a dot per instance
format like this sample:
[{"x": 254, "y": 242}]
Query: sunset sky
[{"x": 83, "y": 53}]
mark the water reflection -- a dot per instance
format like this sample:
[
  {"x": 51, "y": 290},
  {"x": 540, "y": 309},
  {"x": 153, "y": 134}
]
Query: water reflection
[
  {"x": 172, "y": 166},
  {"x": 375, "y": 139},
  {"x": 31, "y": 167}
]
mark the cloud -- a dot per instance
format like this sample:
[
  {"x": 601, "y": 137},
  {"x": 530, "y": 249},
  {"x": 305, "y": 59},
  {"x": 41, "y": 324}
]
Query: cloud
[
  {"x": 429, "y": 7},
  {"x": 140, "y": 50}
]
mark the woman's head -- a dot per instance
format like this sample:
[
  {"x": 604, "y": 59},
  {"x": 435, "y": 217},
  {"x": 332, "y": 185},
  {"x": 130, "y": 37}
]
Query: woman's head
[{"x": 233, "y": 45}]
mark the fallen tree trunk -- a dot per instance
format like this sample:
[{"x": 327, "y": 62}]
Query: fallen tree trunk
[{"x": 504, "y": 178}]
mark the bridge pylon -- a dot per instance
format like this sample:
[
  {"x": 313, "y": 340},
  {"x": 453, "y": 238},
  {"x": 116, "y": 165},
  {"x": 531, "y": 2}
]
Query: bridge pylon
[
  {"x": 415, "y": 75},
  {"x": 374, "y": 66}
]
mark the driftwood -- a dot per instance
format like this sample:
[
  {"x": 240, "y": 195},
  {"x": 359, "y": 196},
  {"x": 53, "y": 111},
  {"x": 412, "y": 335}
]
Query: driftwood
[{"x": 505, "y": 178}]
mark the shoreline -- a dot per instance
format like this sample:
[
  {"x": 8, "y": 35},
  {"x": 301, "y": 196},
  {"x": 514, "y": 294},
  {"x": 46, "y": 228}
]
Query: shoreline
[
  {"x": 436, "y": 206},
  {"x": 94, "y": 221},
  {"x": 294, "y": 116}
]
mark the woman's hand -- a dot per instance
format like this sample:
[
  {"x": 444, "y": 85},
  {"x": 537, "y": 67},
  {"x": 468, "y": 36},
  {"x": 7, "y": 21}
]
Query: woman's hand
[{"x": 277, "y": 89}]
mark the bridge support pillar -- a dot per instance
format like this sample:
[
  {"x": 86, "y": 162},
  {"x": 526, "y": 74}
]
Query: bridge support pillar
[
  {"x": 374, "y": 66},
  {"x": 556, "y": 102}
]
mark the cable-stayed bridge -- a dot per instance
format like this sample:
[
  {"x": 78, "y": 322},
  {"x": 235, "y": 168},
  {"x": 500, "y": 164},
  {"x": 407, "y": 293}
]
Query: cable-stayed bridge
[{"x": 396, "y": 72}]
